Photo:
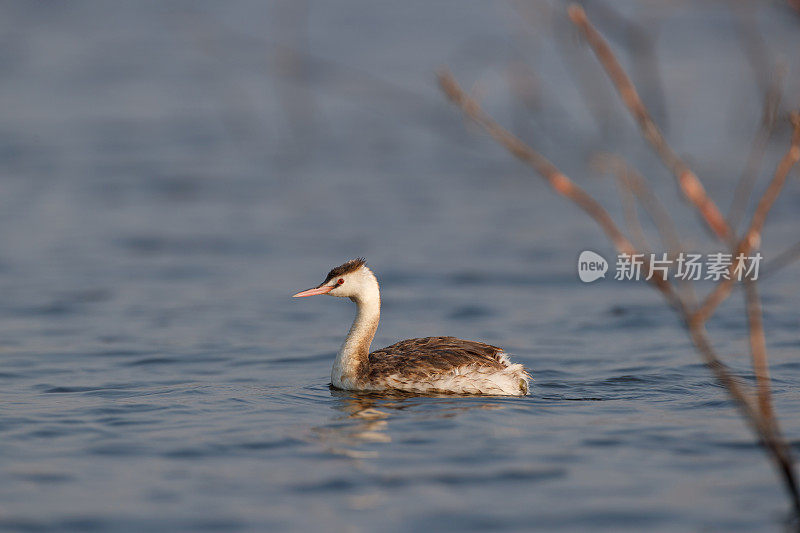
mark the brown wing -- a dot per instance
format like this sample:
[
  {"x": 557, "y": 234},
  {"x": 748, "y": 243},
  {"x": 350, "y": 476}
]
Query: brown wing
[{"x": 432, "y": 355}]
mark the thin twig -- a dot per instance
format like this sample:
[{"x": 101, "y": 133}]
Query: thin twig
[
  {"x": 752, "y": 41},
  {"x": 688, "y": 182},
  {"x": 630, "y": 212},
  {"x": 564, "y": 186},
  {"x": 639, "y": 41},
  {"x": 558, "y": 180},
  {"x": 763, "y": 425},
  {"x": 652, "y": 205},
  {"x": 597, "y": 97},
  {"x": 758, "y": 348},
  {"x": 629, "y": 177},
  {"x": 766, "y": 429},
  {"x": 744, "y": 188},
  {"x": 752, "y": 237},
  {"x": 547, "y": 170}
]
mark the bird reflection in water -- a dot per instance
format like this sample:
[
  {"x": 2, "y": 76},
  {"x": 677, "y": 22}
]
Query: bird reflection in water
[{"x": 365, "y": 419}]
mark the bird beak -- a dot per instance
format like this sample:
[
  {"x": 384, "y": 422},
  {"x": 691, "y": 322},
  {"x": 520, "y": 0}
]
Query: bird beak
[{"x": 325, "y": 289}]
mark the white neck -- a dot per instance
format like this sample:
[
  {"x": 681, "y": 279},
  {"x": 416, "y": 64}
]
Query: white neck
[{"x": 352, "y": 361}]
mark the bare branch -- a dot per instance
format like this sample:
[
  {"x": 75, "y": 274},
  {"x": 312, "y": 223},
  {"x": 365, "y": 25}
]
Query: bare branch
[
  {"x": 766, "y": 429},
  {"x": 555, "y": 178},
  {"x": 758, "y": 349},
  {"x": 629, "y": 177},
  {"x": 752, "y": 237},
  {"x": 755, "y": 407},
  {"x": 687, "y": 180},
  {"x": 758, "y": 414},
  {"x": 652, "y": 205},
  {"x": 565, "y": 187},
  {"x": 744, "y": 188},
  {"x": 639, "y": 41},
  {"x": 630, "y": 211}
]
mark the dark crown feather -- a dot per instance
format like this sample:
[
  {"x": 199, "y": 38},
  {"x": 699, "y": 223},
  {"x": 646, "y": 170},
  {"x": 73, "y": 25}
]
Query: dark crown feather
[{"x": 346, "y": 268}]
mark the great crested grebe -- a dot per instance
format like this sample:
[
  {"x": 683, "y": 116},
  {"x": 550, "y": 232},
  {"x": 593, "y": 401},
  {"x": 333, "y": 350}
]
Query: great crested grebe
[{"x": 429, "y": 365}]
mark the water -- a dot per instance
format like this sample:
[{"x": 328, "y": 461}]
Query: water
[{"x": 171, "y": 173}]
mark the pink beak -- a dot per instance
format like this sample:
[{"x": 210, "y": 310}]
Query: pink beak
[{"x": 325, "y": 289}]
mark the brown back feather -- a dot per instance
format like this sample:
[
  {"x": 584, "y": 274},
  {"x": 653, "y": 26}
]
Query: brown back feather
[{"x": 432, "y": 355}]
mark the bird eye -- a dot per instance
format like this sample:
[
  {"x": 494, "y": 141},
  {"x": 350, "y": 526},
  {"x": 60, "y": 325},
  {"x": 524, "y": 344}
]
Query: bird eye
[{"x": 341, "y": 280}]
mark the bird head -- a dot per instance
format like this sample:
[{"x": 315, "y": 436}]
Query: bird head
[{"x": 350, "y": 280}]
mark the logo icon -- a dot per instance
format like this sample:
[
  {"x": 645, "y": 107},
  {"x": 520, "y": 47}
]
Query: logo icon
[{"x": 591, "y": 266}]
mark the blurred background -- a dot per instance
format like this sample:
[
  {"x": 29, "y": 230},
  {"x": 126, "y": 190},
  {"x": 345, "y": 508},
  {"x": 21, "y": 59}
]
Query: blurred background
[{"x": 171, "y": 172}]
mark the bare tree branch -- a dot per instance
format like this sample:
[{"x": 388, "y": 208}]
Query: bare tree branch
[
  {"x": 687, "y": 180},
  {"x": 755, "y": 406},
  {"x": 554, "y": 177},
  {"x": 744, "y": 188},
  {"x": 658, "y": 213},
  {"x": 564, "y": 186},
  {"x": 752, "y": 237},
  {"x": 758, "y": 349}
]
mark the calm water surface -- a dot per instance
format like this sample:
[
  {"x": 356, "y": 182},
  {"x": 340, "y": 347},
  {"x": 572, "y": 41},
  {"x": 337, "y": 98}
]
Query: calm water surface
[{"x": 172, "y": 173}]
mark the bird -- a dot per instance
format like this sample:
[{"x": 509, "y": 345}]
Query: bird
[{"x": 430, "y": 365}]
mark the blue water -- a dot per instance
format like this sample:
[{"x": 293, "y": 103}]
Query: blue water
[{"x": 170, "y": 173}]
